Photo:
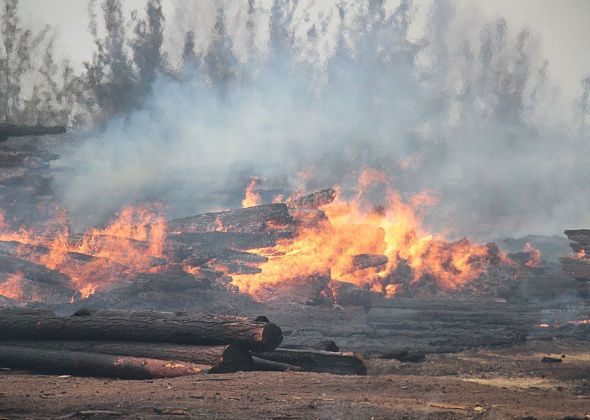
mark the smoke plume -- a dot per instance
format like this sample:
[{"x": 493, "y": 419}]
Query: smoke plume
[{"x": 305, "y": 96}]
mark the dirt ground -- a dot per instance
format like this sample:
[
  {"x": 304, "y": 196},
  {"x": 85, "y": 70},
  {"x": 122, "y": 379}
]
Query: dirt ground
[{"x": 495, "y": 384}]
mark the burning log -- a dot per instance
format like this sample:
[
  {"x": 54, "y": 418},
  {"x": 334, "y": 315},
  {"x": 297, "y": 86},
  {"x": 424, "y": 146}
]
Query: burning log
[
  {"x": 313, "y": 200},
  {"x": 24, "y": 280},
  {"x": 363, "y": 261},
  {"x": 230, "y": 240},
  {"x": 91, "y": 364},
  {"x": 338, "y": 363},
  {"x": 15, "y": 130},
  {"x": 145, "y": 327},
  {"x": 579, "y": 248},
  {"x": 344, "y": 293},
  {"x": 258, "y": 219},
  {"x": 220, "y": 359}
]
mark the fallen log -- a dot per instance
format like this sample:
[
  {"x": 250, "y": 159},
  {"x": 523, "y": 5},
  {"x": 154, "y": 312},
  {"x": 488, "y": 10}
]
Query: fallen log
[
  {"x": 17, "y": 130},
  {"x": 221, "y": 359},
  {"x": 232, "y": 240},
  {"x": 344, "y": 293},
  {"x": 91, "y": 364},
  {"x": 270, "y": 366},
  {"x": 338, "y": 363},
  {"x": 582, "y": 236},
  {"x": 157, "y": 327},
  {"x": 313, "y": 200},
  {"x": 363, "y": 261},
  {"x": 258, "y": 219},
  {"x": 578, "y": 268},
  {"x": 579, "y": 248},
  {"x": 23, "y": 280}
]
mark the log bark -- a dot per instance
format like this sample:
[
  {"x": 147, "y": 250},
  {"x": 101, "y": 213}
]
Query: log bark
[
  {"x": 270, "y": 366},
  {"x": 259, "y": 219},
  {"x": 313, "y": 200},
  {"x": 344, "y": 293},
  {"x": 339, "y": 363},
  {"x": 157, "y": 327},
  {"x": 91, "y": 364},
  {"x": 576, "y": 267},
  {"x": 231, "y": 240},
  {"x": 222, "y": 359},
  {"x": 581, "y": 236},
  {"x": 363, "y": 261},
  {"x": 16, "y": 130}
]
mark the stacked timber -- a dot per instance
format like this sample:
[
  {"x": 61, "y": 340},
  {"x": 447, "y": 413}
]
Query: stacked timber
[
  {"x": 578, "y": 266},
  {"x": 150, "y": 344}
]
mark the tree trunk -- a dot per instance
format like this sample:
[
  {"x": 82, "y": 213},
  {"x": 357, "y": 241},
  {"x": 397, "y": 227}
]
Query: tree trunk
[
  {"x": 318, "y": 361},
  {"x": 228, "y": 358},
  {"x": 92, "y": 364},
  {"x": 144, "y": 327}
]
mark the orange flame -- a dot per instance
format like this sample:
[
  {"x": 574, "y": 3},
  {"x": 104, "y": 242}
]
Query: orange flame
[
  {"x": 12, "y": 287},
  {"x": 98, "y": 257},
  {"x": 535, "y": 255},
  {"x": 252, "y": 198},
  {"x": 394, "y": 230}
]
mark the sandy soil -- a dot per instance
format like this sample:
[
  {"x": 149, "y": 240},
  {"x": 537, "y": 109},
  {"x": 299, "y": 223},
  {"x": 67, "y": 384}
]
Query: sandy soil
[{"x": 500, "y": 383}]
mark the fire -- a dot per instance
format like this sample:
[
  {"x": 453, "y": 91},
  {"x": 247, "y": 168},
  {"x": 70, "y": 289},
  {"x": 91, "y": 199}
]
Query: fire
[
  {"x": 535, "y": 255},
  {"x": 12, "y": 287},
  {"x": 99, "y": 257},
  {"x": 252, "y": 198},
  {"x": 354, "y": 228}
]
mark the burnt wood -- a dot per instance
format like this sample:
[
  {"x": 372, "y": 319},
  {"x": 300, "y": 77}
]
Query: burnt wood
[
  {"x": 581, "y": 236},
  {"x": 258, "y": 219},
  {"x": 271, "y": 366},
  {"x": 339, "y": 363},
  {"x": 576, "y": 267},
  {"x": 314, "y": 200},
  {"x": 92, "y": 364},
  {"x": 362, "y": 261},
  {"x": 144, "y": 327}
]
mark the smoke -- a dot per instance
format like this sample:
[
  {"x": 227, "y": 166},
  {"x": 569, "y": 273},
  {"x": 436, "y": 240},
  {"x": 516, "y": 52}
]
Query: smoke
[{"x": 307, "y": 96}]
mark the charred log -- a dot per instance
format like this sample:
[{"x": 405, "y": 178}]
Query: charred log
[
  {"x": 318, "y": 361},
  {"x": 230, "y": 240},
  {"x": 157, "y": 327},
  {"x": 344, "y": 293},
  {"x": 271, "y": 366},
  {"x": 582, "y": 236},
  {"x": 221, "y": 359},
  {"x": 23, "y": 280},
  {"x": 576, "y": 267},
  {"x": 313, "y": 200},
  {"x": 91, "y": 364},
  {"x": 363, "y": 261},
  {"x": 258, "y": 219}
]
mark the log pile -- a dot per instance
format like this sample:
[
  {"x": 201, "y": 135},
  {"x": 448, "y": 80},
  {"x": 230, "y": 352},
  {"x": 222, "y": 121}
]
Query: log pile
[
  {"x": 150, "y": 344},
  {"x": 579, "y": 265}
]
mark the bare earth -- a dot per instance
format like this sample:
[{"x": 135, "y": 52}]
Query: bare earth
[{"x": 500, "y": 383}]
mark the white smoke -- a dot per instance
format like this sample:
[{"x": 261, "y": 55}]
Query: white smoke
[{"x": 466, "y": 111}]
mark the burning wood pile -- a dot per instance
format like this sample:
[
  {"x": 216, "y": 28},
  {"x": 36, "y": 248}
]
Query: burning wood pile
[
  {"x": 578, "y": 266},
  {"x": 149, "y": 344},
  {"x": 310, "y": 249}
]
